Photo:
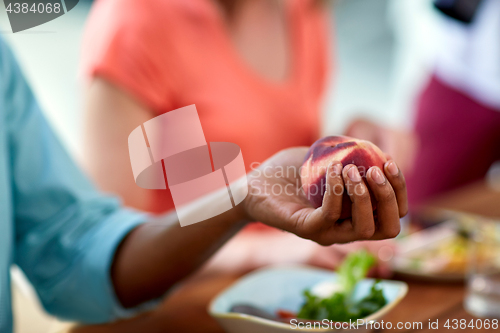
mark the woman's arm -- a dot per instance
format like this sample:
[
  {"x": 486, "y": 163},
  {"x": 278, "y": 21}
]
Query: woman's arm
[{"x": 111, "y": 114}]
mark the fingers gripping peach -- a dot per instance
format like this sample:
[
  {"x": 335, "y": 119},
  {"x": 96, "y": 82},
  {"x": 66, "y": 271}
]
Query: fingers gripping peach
[{"x": 344, "y": 149}]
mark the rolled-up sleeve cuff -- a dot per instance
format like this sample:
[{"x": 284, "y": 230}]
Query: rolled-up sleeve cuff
[{"x": 99, "y": 258}]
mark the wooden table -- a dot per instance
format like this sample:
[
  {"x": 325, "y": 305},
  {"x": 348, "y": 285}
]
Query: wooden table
[
  {"x": 185, "y": 309},
  {"x": 477, "y": 198}
]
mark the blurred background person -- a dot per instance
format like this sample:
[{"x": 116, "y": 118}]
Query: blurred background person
[
  {"x": 255, "y": 70},
  {"x": 458, "y": 113}
]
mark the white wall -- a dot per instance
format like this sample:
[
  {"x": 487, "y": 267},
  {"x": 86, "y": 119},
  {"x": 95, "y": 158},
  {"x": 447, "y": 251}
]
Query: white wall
[{"x": 381, "y": 53}]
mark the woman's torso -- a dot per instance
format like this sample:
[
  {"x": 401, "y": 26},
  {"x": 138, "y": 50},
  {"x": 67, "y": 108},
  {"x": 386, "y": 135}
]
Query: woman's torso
[{"x": 189, "y": 59}]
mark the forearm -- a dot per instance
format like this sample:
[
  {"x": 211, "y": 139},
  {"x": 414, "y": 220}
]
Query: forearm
[{"x": 157, "y": 255}]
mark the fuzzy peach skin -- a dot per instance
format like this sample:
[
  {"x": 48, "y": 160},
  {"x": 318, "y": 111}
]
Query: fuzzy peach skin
[{"x": 344, "y": 149}]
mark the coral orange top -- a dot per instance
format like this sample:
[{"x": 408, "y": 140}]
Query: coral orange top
[{"x": 173, "y": 53}]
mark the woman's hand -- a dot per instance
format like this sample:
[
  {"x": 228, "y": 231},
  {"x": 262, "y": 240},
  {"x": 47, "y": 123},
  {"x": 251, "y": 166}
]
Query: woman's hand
[
  {"x": 400, "y": 144},
  {"x": 249, "y": 250},
  {"x": 276, "y": 199},
  {"x": 330, "y": 257}
]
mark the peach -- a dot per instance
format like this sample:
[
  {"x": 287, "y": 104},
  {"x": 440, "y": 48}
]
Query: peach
[{"x": 344, "y": 149}]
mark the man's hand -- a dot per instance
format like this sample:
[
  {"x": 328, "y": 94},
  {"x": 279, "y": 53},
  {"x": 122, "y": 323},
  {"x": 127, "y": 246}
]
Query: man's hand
[
  {"x": 276, "y": 198},
  {"x": 157, "y": 255}
]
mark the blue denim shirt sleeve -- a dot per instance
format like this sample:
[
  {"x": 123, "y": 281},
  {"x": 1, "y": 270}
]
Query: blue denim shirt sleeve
[{"x": 66, "y": 232}]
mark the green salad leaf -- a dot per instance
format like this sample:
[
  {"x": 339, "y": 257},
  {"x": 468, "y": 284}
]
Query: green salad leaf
[
  {"x": 340, "y": 306},
  {"x": 354, "y": 269}
]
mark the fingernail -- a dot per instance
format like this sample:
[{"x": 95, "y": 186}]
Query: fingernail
[
  {"x": 392, "y": 168},
  {"x": 377, "y": 175},
  {"x": 337, "y": 168},
  {"x": 354, "y": 175}
]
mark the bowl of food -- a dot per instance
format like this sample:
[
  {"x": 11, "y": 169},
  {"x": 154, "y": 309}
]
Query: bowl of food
[{"x": 291, "y": 298}]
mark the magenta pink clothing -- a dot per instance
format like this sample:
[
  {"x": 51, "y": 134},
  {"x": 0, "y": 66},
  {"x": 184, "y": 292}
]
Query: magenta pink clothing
[{"x": 460, "y": 140}]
